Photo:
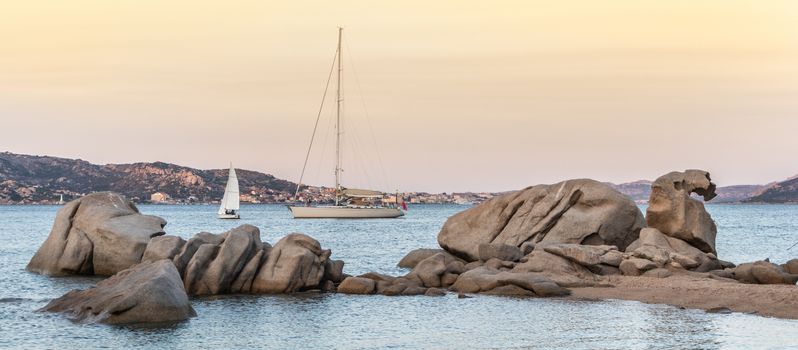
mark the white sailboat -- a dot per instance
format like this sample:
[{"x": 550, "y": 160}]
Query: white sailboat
[
  {"x": 228, "y": 209},
  {"x": 349, "y": 203}
]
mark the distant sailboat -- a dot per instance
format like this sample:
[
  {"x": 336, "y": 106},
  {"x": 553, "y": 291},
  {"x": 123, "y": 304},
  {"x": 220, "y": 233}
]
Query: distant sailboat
[
  {"x": 230, "y": 201},
  {"x": 349, "y": 203}
]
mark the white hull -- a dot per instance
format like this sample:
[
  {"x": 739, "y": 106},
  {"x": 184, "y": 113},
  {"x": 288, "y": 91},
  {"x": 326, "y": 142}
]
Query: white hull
[
  {"x": 332, "y": 212},
  {"x": 229, "y": 216}
]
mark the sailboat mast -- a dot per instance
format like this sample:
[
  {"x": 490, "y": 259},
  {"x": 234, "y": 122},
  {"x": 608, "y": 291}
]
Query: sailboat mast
[{"x": 338, "y": 100}]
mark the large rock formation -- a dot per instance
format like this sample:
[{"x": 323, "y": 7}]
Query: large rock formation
[
  {"x": 150, "y": 292},
  {"x": 296, "y": 263},
  {"x": 216, "y": 267},
  {"x": 672, "y": 211},
  {"x": 238, "y": 262},
  {"x": 101, "y": 234},
  {"x": 575, "y": 211}
]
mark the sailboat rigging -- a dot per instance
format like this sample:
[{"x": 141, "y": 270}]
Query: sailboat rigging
[{"x": 349, "y": 203}]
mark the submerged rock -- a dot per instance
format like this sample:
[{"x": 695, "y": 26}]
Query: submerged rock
[
  {"x": 150, "y": 292},
  {"x": 100, "y": 234},
  {"x": 673, "y": 212},
  {"x": 574, "y": 211}
]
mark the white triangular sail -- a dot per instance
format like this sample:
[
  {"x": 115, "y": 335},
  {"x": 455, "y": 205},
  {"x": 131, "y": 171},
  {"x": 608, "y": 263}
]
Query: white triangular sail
[{"x": 230, "y": 199}]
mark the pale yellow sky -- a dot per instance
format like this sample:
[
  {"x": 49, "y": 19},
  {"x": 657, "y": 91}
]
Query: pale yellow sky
[{"x": 462, "y": 95}]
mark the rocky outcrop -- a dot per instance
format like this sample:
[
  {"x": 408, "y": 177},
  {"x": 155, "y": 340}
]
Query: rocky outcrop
[
  {"x": 238, "y": 262},
  {"x": 791, "y": 266},
  {"x": 415, "y": 256},
  {"x": 487, "y": 280},
  {"x": 575, "y": 211},
  {"x": 501, "y": 251},
  {"x": 636, "y": 266},
  {"x": 600, "y": 260},
  {"x": 357, "y": 285},
  {"x": 103, "y": 233},
  {"x": 763, "y": 272},
  {"x": 584, "y": 255},
  {"x": 150, "y": 292},
  {"x": 162, "y": 247},
  {"x": 563, "y": 271},
  {"x": 216, "y": 267},
  {"x": 431, "y": 272},
  {"x": 432, "y": 275},
  {"x": 434, "y": 272},
  {"x": 661, "y": 249},
  {"x": 99, "y": 234},
  {"x": 295, "y": 263},
  {"x": 383, "y": 284},
  {"x": 672, "y": 211}
]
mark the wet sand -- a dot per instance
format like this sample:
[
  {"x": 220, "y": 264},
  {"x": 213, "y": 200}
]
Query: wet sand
[{"x": 697, "y": 291}]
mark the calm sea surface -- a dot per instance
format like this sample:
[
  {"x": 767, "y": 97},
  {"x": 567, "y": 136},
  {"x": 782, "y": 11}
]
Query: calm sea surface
[{"x": 309, "y": 320}]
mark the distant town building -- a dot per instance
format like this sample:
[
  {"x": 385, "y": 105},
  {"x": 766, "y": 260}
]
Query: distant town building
[{"x": 158, "y": 197}]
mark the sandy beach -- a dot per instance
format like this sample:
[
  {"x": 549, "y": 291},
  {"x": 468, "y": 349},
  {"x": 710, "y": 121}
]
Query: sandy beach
[{"x": 696, "y": 291}]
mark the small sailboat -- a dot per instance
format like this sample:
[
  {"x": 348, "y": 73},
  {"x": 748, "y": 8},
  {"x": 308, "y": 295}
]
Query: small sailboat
[
  {"x": 349, "y": 203},
  {"x": 228, "y": 209}
]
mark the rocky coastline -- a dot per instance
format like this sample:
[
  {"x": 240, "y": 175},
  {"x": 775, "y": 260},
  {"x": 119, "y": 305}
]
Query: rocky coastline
[{"x": 578, "y": 239}]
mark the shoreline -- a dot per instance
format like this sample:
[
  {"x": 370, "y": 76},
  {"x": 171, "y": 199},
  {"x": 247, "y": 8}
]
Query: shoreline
[
  {"x": 290, "y": 203},
  {"x": 696, "y": 291}
]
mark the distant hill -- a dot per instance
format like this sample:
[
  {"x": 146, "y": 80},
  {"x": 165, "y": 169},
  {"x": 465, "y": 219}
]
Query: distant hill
[
  {"x": 640, "y": 190},
  {"x": 779, "y": 192},
  {"x": 41, "y": 179},
  {"x": 735, "y": 194}
]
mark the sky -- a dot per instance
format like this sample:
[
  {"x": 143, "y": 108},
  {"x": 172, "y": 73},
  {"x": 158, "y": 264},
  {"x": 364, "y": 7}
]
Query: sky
[{"x": 439, "y": 96}]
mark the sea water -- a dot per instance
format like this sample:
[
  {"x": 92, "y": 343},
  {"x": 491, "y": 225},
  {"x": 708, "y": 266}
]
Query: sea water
[{"x": 313, "y": 320}]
